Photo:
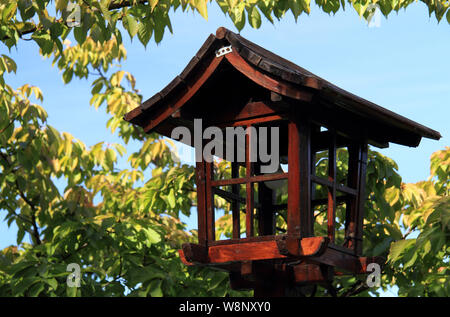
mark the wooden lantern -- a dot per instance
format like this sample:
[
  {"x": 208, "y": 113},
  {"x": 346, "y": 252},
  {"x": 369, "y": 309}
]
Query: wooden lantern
[{"x": 233, "y": 82}]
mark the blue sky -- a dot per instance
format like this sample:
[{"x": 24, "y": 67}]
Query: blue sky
[{"x": 401, "y": 65}]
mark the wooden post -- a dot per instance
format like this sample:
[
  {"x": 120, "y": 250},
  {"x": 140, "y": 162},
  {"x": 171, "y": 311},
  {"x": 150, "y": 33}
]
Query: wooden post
[
  {"x": 361, "y": 198},
  {"x": 331, "y": 214},
  {"x": 235, "y": 205},
  {"x": 249, "y": 185},
  {"x": 300, "y": 222},
  {"x": 313, "y": 159},
  {"x": 210, "y": 217},
  {"x": 200, "y": 180}
]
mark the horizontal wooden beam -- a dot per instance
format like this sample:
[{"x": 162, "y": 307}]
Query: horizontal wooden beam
[
  {"x": 244, "y": 240},
  {"x": 252, "y": 179},
  {"x": 229, "y": 196},
  {"x": 324, "y": 201},
  {"x": 328, "y": 183},
  {"x": 249, "y": 251},
  {"x": 253, "y": 121},
  {"x": 249, "y": 111},
  {"x": 346, "y": 262}
]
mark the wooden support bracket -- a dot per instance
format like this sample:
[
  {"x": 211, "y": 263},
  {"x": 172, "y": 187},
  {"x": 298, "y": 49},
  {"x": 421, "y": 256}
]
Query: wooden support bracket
[
  {"x": 193, "y": 254},
  {"x": 294, "y": 246}
]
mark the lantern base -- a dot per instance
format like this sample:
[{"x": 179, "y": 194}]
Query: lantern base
[{"x": 277, "y": 265}]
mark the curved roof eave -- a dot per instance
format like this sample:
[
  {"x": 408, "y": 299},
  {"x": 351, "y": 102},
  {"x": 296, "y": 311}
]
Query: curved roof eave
[{"x": 278, "y": 67}]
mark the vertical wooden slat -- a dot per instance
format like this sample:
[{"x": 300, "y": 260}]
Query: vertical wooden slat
[
  {"x": 210, "y": 217},
  {"x": 313, "y": 186},
  {"x": 315, "y": 129},
  {"x": 293, "y": 217},
  {"x": 331, "y": 214},
  {"x": 353, "y": 174},
  {"x": 299, "y": 179},
  {"x": 361, "y": 198},
  {"x": 305, "y": 177},
  {"x": 235, "y": 206},
  {"x": 249, "y": 185},
  {"x": 313, "y": 172},
  {"x": 355, "y": 206},
  {"x": 201, "y": 202}
]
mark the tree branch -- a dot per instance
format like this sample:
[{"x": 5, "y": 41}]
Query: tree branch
[
  {"x": 410, "y": 230},
  {"x": 35, "y": 232},
  {"x": 9, "y": 124},
  {"x": 356, "y": 288}
]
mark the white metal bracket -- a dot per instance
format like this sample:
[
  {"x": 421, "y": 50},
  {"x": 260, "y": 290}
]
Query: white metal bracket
[{"x": 224, "y": 50}]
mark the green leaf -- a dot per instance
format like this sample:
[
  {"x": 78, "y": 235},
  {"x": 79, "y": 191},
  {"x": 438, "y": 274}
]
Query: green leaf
[
  {"x": 382, "y": 247},
  {"x": 153, "y": 3},
  {"x": 67, "y": 75},
  {"x": 11, "y": 178},
  {"x": 36, "y": 289},
  {"x": 264, "y": 9},
  {"x": 171, "y": 199},
  {"x": 53, "y": 283},
  {"x": 151, "y": 235},
  {"x": 155, "y": 288},
  {"x": 21, "y": 287},
  {"x": 385, "y": 7},
  {"x": 201, "y": 7},
  {"x": 160, "y": 21},
  {"x": 238, "y": 17},
  {"x": 144, "y": 33},
  {"x": 9, "y": 10},
  {"x": 392, "y": 195},
  {"x": 296, "y": 8},
  {"x": 61, "y": 5},
  {"x": 96, "y": 89},
  {"x": 410, "y": 258},
  {"x": 9, "y": 64},
  {"x": 97, "y": 34},
  {"x": 426, "y": 247},
  {"x": 105, "y": 10},
  {"x": 331, "y": 6},
  {"x": 71, "y": 291},
  {"x": 397, "y": 248},
  {"x": 27, "y": 10},
  {"x": 20, "y": 235},
  {"x": 79, "y": 34},
  {"x": 44, "y": 41},
  {"x": 254, "y": 18},
  {"x": 216, "y": 280},
  {"x": 360, "y": 7},
  {"x": 130, "y": 24}
]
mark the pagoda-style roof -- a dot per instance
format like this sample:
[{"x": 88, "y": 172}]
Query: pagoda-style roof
[{"x": 228, "y": 67}]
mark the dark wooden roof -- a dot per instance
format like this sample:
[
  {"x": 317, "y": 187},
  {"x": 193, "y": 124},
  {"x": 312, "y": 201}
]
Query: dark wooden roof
[{"x": 287, "y": 72}]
